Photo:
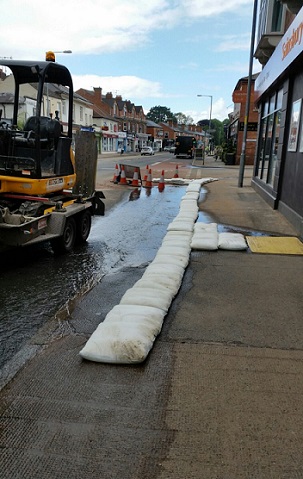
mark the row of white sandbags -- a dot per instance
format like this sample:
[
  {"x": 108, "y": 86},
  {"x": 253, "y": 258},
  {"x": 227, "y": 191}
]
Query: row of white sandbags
[
  {"x": 128, "y": 331},
  {"x": 207, "y": 237}
]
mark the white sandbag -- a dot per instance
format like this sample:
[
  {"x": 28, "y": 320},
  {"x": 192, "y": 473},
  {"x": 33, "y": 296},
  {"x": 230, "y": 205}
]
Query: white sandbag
[
  {"x": 205, "y": 241},
  {"x": 208, "y": 180},
  {"x": 156, "y": 282},
  {"x": 178, "y": 241},
  {"x": 190, "y": 215},
  {"x": 189, "y": 203},
  {"x": 187, "y": 207},
  {"x": 166, "y": 258},
  {"x": 167, "y": 269},
  {"x": 153, "y": 317},
  {"x": 148, "y": 297},
  {"x": 163, "y": 259},
  {"x": 232, "y": 241},
  {"x": 180, "y": 226},
  {"x": 196, "y": 180},
  {"x": 177, "y": 181},
  {"x": 178, "y": 234},
  {"x": 191, "y": 196},
  {"x": 121, "y": 343},
  {"x": 205, "y": 227},
  {"x": 202, "y": 181},
  {"x": 174, "y": 250},
  {"x": 205, "y": 236},
  {"x": 170, "y": 281},
  {"x": 193, "y": 187}
]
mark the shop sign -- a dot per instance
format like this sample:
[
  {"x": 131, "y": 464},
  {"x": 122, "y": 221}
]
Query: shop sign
[
  {"x": 240, "y": 96},
  {"x": 251, "y": 126},
  {"x": 289, "y": 48}
]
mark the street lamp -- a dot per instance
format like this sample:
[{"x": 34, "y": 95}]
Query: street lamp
[
  {"x": 50, "y": 57},
  {"x": 210, "y": 110}
]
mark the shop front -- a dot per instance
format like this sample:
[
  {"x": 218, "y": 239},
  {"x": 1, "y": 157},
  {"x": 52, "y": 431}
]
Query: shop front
[
  {"x": 278, "y": 168},
  {"x": 141, "y": 140},
  {"x": 109, "y": 141},
  {"x": 121, "y": 143}
]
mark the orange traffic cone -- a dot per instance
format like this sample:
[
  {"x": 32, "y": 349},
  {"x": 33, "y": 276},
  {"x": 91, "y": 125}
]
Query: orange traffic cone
[
  {"x": 161, "y": 184},
  {"x": 135, "y": 181},
  {"x": 123, "y": 176},
  {"x": 146, "y": 173},
  {"x": 176, "y": 175},
  {"x": 148, "y": 183},
  {"x": 115, "y": 178}
]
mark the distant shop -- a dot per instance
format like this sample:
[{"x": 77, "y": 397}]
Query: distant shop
[
  {"x": 121, "y": 141},
  {"x": 109, "y": 141},
  {"x": 278, "y": 168}
]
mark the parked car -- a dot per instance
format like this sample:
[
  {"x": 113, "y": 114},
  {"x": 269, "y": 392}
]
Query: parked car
[
  {"x": 166, "y": 148},
  {"x": 172, "y": 149},
  {"x": 147, "y": 150}
]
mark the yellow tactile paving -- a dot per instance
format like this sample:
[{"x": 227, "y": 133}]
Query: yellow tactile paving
[{"x": 275, "y": 245}]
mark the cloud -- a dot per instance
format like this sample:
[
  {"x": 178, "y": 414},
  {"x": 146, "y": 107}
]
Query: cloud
[
  {"x": 234, "y": 42},
  {"x": 219, "y": 111},
  {"x": 95, "y": 27},
  {"x": 189, "y": 66},
  {"x": 132, "y": 87},
  {"x": 205, "y": 8},
  {"x": 237, "y": 67}
]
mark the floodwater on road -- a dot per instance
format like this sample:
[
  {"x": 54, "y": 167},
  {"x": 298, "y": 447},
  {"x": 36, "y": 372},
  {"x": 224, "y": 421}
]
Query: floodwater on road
[{"x": 35, "y": 284}]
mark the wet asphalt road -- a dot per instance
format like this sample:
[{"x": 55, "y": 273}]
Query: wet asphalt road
[{"x": 35, "y": 284}]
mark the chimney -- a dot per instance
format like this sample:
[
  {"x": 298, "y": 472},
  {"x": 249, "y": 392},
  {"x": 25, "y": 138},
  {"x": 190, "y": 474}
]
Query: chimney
[
  {"x": 98, "y": 93},
  {"x": 109, "y": 95}
]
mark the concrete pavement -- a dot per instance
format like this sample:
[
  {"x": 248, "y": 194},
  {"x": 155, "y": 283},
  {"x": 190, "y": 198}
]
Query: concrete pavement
[{"x": 220, "y": 395}]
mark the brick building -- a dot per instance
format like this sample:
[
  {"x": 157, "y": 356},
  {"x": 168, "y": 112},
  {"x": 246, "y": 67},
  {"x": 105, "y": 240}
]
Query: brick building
[
  {"x": 129, "y": 122},
  {"x": 236, "y": 125}
]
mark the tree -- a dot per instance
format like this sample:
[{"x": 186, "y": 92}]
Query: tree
[
  {"x": 183, "y": 119},
  {"x": 217, "y": 129},
  {"x": 160, "y": 113}
]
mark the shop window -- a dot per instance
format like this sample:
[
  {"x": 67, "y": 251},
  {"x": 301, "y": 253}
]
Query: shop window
[
  {"x": 274, "y": 148},
  {"x": 269, "y": 139},
  {"x": 279, "y": 100},
  {"x": 272, "y": 104},
  {"x": 301, "y": 138},
  {"x": 294, "y": 126},
  {"x": 262, "y": 145},
  {"x": 277, "y": 16}
]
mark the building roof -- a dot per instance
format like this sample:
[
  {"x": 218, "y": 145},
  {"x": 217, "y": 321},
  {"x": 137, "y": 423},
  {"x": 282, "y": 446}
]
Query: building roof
[
  {"x": 152, "y": 124},
  {"x": 245, "y": 80},
  {"x": 8, "y": 98}
]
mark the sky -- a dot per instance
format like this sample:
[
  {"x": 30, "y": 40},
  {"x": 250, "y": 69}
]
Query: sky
[{"x": 151, "y": 52}]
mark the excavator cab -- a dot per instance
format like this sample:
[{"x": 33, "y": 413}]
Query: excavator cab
[{"x": 37, "y": 158}]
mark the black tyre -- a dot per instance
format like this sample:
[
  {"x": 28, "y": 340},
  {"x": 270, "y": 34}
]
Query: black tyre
[
  {"x": 84, "y": 222},
  {"x": 66, "y": 242}
]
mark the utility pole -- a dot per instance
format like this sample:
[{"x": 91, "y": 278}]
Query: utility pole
[{"x": 247, "y": 106}]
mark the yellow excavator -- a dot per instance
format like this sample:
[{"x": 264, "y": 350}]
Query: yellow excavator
[{"x": 39, "y": 194}]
